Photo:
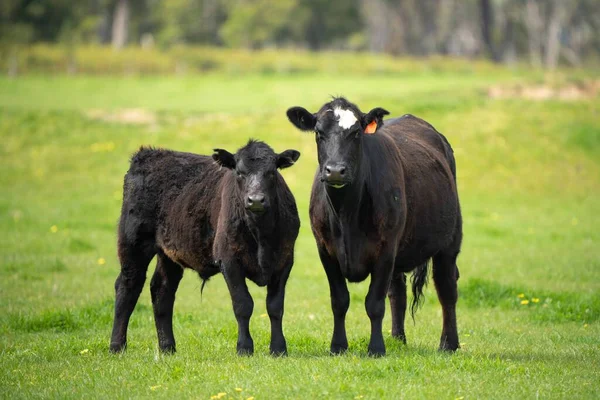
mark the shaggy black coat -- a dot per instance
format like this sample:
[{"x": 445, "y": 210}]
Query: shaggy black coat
[{"x": 194, "y": 211}]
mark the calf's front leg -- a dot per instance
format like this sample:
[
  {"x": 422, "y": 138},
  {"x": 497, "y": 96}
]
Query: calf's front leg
[
  {"x": 275, "y": 300},
  {"x": 243, "y": 305}
]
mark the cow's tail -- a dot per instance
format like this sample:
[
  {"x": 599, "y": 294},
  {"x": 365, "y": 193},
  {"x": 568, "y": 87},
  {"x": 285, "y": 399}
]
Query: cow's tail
[
  {"x": 419, "y": 280},
  {"x": 202, "y": 287}
]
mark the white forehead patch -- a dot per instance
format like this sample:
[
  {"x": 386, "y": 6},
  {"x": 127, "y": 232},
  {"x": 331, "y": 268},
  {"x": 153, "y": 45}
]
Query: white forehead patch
[{"x": 346, "y": 118}]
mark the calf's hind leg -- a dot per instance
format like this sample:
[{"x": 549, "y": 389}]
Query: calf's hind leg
[
  {"x": 128, "y": 286},
  {"x": 445, "y": 276},
  {"x": 163, "y": 286},
  {"x": 397, "y": 296}
]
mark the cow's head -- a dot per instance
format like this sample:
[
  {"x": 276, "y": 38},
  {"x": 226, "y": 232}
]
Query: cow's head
[
  {"x": 339, "y": 128},
  {"x": 255, "y": 167}
]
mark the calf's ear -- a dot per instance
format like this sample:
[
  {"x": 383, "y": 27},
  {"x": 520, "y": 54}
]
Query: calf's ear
[
  {"x": 224, "y": 158},
  {"x": 287, "y": 158},
  {"x": 373, "y": 120},
  {"x": 301, "y": 118}
]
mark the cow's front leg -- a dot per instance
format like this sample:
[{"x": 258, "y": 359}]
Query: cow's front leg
[
  {"x": 375, "y": 301},
  {"x": 340, "y": 301},
  {"x": 275, "y": 300},
  {"x": 243, "y": 305}
]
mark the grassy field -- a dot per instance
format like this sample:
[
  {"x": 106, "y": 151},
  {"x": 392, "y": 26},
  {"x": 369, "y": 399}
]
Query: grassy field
[{"x": 529, "y": 180}]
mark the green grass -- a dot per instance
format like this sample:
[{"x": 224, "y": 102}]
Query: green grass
[{"x": 529, "y": 180}]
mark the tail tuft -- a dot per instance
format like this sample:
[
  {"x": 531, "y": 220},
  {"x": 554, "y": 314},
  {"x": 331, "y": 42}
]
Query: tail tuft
[
  {"x": 419, "y": 281},
  {"x": 202, "y": 287}
]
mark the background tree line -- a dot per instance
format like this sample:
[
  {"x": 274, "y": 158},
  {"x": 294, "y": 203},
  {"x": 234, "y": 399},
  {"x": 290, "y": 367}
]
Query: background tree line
[{"x": 545, "y": 32}]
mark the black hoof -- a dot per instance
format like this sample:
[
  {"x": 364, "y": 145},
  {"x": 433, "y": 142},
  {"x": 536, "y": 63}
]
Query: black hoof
[
  {"x": 245, "y": 351},
  {"x": 279, "y": 353},
  {"x": 168, "y": 348},
  {"x": 449, "y": 346},
  {"x": 117, "y": 347},
  {"x": 338, "y": 349},
  {"x": 376, "y": 351},
  {"x": 400, "y": 337}
]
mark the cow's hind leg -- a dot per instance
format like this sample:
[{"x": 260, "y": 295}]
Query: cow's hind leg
[
  {"x": 397, "y": 296},
  {"x": 128, "y": 286},
  {"x": 163, "y": 286},
  {"x": 445, "y": 276}
]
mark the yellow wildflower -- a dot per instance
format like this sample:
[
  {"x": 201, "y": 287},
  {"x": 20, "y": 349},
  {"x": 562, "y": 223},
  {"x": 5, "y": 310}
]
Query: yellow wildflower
[
  {"x": 221, "y": 394},
  {"x": 84, "y": 351},
  {"x": 524, "y": 302},
  {"x": 238, "y": 389},
  {"x": 521, "y": 295},
  {"x": 535, "y": 300},
  {"x": 101, "y": 261},
  {"x": 54, "y": 229},
  {"x": 250, "y": 398}
]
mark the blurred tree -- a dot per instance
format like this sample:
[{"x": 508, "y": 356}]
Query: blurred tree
[
  {"x": 254, "y": 24},
  {"x": 189, "y": 21},
  {"x": 547, "y": 32},
  {"x": 329, "y": 22},
  {"x": 120, "y": 24}
]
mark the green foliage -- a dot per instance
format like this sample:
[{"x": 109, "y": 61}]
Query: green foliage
[
  {"x": 253, "y": 24},
  {"x": 184, "y": 60},
  {"x": 528, "y": 312}
]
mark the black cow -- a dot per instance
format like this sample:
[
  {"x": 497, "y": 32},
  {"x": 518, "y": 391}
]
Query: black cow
[
  {"x": 191, "y": 212},
  {"x": 383, "y": 204}
]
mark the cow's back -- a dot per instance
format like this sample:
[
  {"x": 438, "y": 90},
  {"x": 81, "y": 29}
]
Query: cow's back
[
  {"x": 157, "y": 186},
  {"x": 430, "y": 186}
]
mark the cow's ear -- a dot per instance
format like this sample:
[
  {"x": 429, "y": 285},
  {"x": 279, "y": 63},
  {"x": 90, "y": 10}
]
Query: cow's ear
[
  {"x": 224, "y": 158},
  {"x": 373, "y": 120},
  {"x": 302, "y": 119},
  {"x": 287, "y": 158}
]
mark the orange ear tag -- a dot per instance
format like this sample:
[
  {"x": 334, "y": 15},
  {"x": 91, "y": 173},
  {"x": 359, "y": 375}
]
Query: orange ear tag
[{"x": 371, "y": 128}]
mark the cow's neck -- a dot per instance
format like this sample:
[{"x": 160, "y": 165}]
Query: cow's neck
[
  {"x": 344, "y": 203},
  {"x": 345, "y": 208}
]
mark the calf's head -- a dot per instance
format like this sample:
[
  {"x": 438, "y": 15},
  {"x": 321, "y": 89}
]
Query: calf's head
[
  {"x": 255, "y": 167},
  {"x": 339, "y": 128}
]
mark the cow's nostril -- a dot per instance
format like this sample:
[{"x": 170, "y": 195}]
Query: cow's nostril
[
  {"x": 342, "y": 170},
  {"x": 328, "y": 170},
  {"x": 250, "y": 200}
]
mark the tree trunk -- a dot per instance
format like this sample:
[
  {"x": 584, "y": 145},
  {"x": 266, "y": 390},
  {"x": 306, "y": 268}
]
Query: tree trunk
[
  {"x": 120, "y": 24},
  {"x": 376, "y": 13},
  {"x": 487, "y": 28},
  {"x": 534, "y": 34},
  {"x": 554, "y": 31}
]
